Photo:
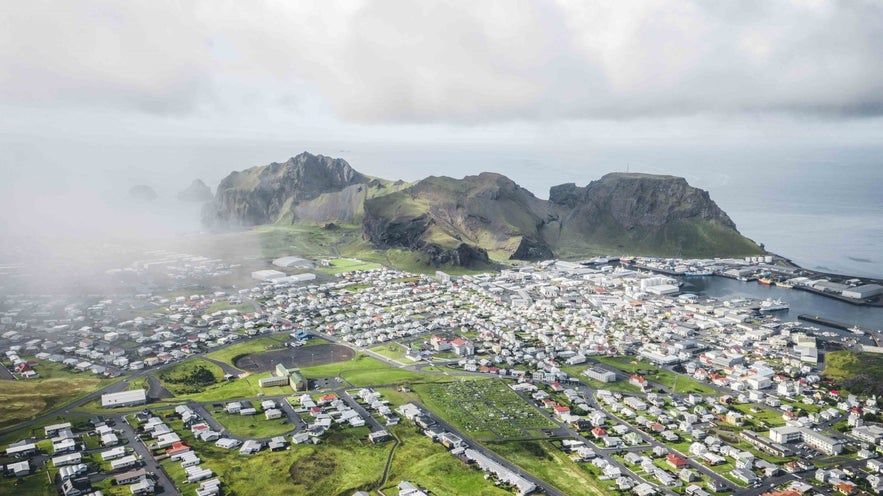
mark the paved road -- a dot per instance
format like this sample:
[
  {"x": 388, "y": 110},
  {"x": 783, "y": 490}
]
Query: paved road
[{"x": 163, "y": 481}]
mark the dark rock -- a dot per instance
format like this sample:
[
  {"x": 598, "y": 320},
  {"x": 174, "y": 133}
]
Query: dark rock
[
  {"x": 143, "y": 192},
  {"x": 531, "y": 249},
  {"x": 197, "y": 192}
]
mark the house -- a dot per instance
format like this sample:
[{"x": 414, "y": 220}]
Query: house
[
  {"x": 676, "y": 460},
  {"x": 407, "y": 489},
  {"x": 20, "y": 469},
  {"x": 250, "y": 447},
  {"x": 21, "y": 448},
  {"x": 113, "y": 454},
  {"x": 131, "y": 477},
  {"x": 69, "y": 459},
  {"x": 450, "y": 441},
  {"x": 463, "y": 347},
  {"x": 300, "y": 438},
  {"x": 124, "y": 462},
  {"x": 273, "y": 413},
  {"x": 277, "y": 443},
  {"x": 227, "y": 443},
  {"x": 142, "y": 487},
  {"x": 379, "y": 437},
  {"x": 639, "y": 382}
]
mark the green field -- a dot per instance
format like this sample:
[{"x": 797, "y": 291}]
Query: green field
[
  {"x": 858, "y": 373},
  {"x": 32, "y": 485},
  {"x": 253, "y": 426},
  {"x": 550, "y": 464},
  {"x": 394, "y": 351},
  {"x": 619, "y": 386},
  {"x": 256, "y": 345},
  {"x": 680, "y": 383},
  {"x": 427, "y": 464},
  {"x": 486, "y": 409},
  {"x": 341, "y": 265},
  {"x": 190, "y": 376},
  {"x": 26, "y": 399}
]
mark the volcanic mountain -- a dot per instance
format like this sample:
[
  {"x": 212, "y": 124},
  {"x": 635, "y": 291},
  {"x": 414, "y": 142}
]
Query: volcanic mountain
[{"x": 462, "y": 221}]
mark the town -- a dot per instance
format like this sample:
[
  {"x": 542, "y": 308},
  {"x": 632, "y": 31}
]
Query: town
[{"x": 600, "y": 377}]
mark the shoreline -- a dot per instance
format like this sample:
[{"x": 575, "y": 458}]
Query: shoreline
[{"x": 778, "y": 260}]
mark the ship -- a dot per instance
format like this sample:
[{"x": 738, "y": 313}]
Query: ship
[
  {"x": 783, "y": 284},
  {"x": 698, "y": 273},
  {"x": 856, "y": 330},
  {"x": 770, "y": 305},
  {"x": 766, "y": 281}
]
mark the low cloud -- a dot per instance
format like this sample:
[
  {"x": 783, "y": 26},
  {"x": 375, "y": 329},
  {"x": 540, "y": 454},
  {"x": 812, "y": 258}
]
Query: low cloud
[{"x": 449, "y": 61}]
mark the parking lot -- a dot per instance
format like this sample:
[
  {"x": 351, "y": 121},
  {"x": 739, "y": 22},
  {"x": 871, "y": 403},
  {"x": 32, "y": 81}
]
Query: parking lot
[{"x": 305, "y": 356}]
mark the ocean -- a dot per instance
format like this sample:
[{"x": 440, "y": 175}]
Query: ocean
[{"x": 822, "y": 209}]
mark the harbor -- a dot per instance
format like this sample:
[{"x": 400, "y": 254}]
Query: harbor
[{"x": 825, "y": 313}]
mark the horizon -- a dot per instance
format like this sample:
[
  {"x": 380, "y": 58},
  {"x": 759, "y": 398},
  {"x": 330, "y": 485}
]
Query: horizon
[{"x": 545, "y": 93}]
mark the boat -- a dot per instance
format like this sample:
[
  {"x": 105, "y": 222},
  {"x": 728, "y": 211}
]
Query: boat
[
  {"x": 770, "y": 305},
  {"x": 698, "y": 273},
  {"x": 856, "y": 330},
  {"x": 783, "y": 284},
  {"x": 766, "y": 281}
]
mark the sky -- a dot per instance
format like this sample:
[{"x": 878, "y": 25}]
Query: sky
[{"x": 96, "y": 96}]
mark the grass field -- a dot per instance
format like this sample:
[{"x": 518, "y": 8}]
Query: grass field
[
  {"x": 179, "y": 377},
  {"x": 543, "y": 460},
  {"x": 394, "y": 351},
  {"x": 486, "y": 409},
  {"x": 253, "y": 426},
  {"x": 257, "y": 345},
  {"x": 680, "y": 383},
  {"x": 427, "y": 464},
  {"x": 25, "y": 399},
  {"x": 340, "y": 265},
  {"x": 859, "y": 373},
  {"x": 32, "y": 485},
  {"x": 619, "y": 386}
]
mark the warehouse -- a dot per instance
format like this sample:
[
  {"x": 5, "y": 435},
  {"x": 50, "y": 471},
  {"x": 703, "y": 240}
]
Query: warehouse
[
  {"x": 863, "y": 292},
  {"x": 124, "y": 398}
]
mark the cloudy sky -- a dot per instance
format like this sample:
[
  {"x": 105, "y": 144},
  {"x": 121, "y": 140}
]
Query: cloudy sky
[{"x": 117, "y": 93}]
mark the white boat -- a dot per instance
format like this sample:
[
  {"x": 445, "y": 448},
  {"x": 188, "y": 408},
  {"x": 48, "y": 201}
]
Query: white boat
[
  {"x": 856, "y": 330},
  {"x": 770, "y": 305}
]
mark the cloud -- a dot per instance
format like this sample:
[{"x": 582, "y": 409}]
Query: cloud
[{"x": 449, "y": 61}]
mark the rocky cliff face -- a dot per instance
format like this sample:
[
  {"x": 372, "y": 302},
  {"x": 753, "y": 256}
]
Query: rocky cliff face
[
  {"x": 487, "y": 211},
  {"x": 197, "y": 192},
  {"x": 260, "y": 194},
  {"x": 634, "y": 200},
  {"x": 646, "y": 214},
  {"x": 461, "y": 221}
]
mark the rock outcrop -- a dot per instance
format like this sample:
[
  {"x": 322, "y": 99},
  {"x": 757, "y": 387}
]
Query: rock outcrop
[
  {"x": 261, "y": 194},
  {"x": 197, "y": 192},
  {"x": 460, "y": 221}
]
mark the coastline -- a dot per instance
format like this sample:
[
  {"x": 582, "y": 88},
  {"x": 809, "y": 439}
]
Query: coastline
[{"x": 791, "y": 270}]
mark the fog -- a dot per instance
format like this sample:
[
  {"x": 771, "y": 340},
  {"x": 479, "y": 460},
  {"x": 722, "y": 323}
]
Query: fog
[{"x": 774, "y": 107}]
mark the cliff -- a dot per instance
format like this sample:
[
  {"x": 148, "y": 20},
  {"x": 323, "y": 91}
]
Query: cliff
[
  {"x": 197, "y": 192},
  {"x": 259, "y": 195},
  {"x": 466, "y": 221}
]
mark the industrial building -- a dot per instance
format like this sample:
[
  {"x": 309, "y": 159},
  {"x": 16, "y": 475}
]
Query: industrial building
[
  {"x": 600, "y": 374},
  {"x": 124, "y": 398},
  {"x": 863, "y": 292},
  {"x": 282, "y": 376}
]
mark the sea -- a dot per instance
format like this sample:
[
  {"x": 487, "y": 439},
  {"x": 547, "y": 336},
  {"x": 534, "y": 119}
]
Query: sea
[
  {"x": 800, "y": 302},
  {"x": 823, "y": 209}
]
